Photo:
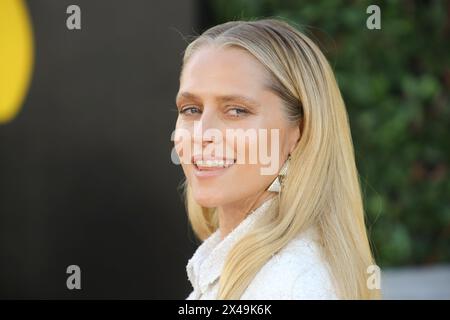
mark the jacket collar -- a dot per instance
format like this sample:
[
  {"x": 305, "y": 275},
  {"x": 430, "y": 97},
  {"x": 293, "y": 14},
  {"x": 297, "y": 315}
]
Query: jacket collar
[{"x": 206, "y": 265}]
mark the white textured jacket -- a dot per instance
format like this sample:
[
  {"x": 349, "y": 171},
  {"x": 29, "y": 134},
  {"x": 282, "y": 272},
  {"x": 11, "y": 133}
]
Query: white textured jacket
[{"x": 295, "y": 272}]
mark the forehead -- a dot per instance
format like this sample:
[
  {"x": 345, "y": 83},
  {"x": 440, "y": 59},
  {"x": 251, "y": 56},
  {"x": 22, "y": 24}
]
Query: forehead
[{"x": 223, "y": 70}]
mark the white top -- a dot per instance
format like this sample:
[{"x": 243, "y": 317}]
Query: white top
[{"x": 295, "y": 272}]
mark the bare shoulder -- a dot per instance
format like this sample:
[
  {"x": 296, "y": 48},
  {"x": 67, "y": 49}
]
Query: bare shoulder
[{"x": 298, "y": 271}]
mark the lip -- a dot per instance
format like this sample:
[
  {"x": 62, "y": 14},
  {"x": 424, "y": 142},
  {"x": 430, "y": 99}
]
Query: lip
[
  {"x": 206, "y": 172},
  {"x": 210, "y": 172}
]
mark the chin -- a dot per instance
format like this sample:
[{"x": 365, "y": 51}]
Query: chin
[{"x": 208, "y": 199}]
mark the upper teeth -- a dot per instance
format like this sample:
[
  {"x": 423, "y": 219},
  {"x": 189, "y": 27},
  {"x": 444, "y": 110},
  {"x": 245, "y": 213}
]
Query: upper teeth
[{"x": 214, "y": 163}]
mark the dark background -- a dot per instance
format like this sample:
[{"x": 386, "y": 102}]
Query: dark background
[{"x": 85, "y": 170}]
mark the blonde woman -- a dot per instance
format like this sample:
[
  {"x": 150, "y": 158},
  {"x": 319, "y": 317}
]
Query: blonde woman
[{"x": 289, "y": 228}]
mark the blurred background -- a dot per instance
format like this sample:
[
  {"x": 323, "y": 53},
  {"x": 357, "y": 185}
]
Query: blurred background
[{"x": 86, "y": 117}]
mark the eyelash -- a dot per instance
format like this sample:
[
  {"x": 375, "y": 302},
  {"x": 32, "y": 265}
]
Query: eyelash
[
  {"x": 242, "y": 111},
  {"x": 184, "y": 110}
]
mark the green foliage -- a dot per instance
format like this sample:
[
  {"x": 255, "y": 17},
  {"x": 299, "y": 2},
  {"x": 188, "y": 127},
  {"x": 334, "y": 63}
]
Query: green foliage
[{"x": 395, "y": 82}]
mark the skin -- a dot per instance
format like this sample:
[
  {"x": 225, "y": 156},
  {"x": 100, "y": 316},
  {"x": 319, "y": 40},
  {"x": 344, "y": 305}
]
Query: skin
[{"x": 210, "y": 74}]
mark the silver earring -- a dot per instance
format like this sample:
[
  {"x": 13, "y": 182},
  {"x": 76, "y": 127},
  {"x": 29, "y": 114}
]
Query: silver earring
[{"x": 278, "y": 182}]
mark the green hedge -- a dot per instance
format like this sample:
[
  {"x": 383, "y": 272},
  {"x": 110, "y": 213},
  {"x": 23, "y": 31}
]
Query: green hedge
[{"x": 395, "y": 82}]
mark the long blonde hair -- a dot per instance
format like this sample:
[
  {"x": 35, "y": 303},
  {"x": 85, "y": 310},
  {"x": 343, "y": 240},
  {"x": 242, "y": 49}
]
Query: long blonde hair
[{"x": 322, "y": 186}]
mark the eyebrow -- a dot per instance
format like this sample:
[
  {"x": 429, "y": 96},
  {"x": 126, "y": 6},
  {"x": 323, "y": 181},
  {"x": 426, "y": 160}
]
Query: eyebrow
[{"x": 223, "y": 98}]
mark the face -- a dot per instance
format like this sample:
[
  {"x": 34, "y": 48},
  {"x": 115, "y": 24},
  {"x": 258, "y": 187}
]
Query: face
[{"x": 235, "y": 133}]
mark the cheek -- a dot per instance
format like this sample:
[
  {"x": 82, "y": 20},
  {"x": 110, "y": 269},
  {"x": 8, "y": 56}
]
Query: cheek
[
  {"x": 187, "y": 169},
  {"x": 182, "y": 139},
  {"x": 261, "y": 156},
  {"x": 261, "y": 149},
  {"x": 246, "y": 148}
]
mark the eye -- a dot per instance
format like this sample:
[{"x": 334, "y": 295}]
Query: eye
[
  {"x": 237, "y": 111},
  {"x": 189, "y": 110}
]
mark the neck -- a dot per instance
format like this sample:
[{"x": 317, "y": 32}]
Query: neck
[{"x": 232, "y": 214}]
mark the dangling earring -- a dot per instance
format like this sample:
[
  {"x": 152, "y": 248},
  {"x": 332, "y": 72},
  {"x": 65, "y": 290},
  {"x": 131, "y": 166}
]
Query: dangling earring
[{"x": 278, "y": 182}]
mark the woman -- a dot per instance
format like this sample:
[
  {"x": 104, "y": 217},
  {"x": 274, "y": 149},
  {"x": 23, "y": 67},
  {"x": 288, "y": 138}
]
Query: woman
[{"x": 294, "y": 232}]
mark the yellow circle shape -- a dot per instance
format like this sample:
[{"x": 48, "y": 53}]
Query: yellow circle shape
[{"x": 16, "y": 57}]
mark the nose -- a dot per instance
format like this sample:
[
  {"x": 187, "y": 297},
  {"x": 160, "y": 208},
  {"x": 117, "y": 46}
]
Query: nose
[{"x": 208, "y": 129}]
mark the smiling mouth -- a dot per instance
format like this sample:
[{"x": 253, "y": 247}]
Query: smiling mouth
[{"x": 213, "y": 164}]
